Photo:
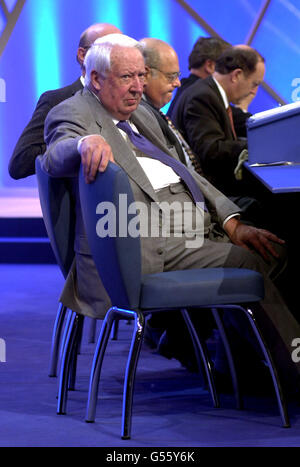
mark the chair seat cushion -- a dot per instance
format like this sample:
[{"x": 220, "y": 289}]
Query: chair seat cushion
[{"x": 201, "y": 287}]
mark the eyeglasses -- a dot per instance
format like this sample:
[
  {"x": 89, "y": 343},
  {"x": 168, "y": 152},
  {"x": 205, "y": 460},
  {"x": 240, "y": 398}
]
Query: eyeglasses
[{"x": 171, "y": 77}]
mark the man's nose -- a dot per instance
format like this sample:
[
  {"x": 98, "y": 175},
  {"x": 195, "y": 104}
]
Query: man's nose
[
  {"x": 137, "y": 84},
  {"x": 177, "y": 83}
]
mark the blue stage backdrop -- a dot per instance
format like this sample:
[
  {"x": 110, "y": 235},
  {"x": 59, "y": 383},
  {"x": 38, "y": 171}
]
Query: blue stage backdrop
[{"x": 39, "y": 38}]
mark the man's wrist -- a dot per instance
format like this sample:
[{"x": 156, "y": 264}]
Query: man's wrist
[
  {"x": 231, "y": 225},
  {"x": 232, "y": 216},
  {"x": 81, "y": 141}
]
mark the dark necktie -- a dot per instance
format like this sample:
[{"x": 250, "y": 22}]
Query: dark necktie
[
  {"x": 229, "y": 113},
  {"x": 144, "y": 145},
  {"x": 184, "y": 145}
]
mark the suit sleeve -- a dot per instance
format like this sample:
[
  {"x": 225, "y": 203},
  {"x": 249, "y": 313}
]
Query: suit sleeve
[
  {"x": 220, "y": 207},
  {"x": 31, "y": 142},
  {"x": 240, "y": 121},
  {"x": 64, "y": 127}
]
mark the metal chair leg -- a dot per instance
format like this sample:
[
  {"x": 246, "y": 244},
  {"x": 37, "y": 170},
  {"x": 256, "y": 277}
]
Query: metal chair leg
[
  {"x": 92, "y": 331},
  {"x": 65, "y": 333},
  {"x": 56, "y": 339},
  {"x": 202, "y": 356},
  {"x": 272, "y": 368},
  {"x": 97, "y": 365},
  {"x": 75, "y": 352},
  {"x": 136, "y": 343},
  {"x": 234, "y": 378},
  {"x": 68, "y": 353},
  {"x": 115, "y": 330},
  {"x": 133, "y": 357},
  {"x": 248, "y": 311}
]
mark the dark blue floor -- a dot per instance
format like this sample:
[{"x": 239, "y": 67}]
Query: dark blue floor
[{"x": 170, "y": 409}]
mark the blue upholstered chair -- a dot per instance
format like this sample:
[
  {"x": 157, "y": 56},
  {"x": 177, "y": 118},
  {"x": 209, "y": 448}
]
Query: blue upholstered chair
[
  {"x": 59, "y": 219},
  {"x": 133, "y": 295}
]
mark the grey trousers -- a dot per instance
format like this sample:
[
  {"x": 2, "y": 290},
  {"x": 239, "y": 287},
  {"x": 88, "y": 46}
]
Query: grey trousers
[{"x": 277, "y": 323}]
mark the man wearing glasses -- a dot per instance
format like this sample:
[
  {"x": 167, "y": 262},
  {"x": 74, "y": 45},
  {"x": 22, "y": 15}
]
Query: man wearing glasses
[
  {"x": 162, "y": 79},
  {"x": 162, "y": 70}
]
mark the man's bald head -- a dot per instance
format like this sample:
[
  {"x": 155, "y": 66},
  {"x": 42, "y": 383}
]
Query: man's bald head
[
  {"x": 162, "y": 70},
  {"x": 155, "y": 51},
  {"x": 89, "y": 36},
  {"x": 242, "y": 46}
]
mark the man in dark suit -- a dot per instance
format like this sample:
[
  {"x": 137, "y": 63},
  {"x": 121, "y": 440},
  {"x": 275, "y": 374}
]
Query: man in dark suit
[
  {"x": 202, "y": 61},
  {"x": 201, "y": 114},
  {"x": 162, "y": 69},
  {"x": 31, "y": 142}
]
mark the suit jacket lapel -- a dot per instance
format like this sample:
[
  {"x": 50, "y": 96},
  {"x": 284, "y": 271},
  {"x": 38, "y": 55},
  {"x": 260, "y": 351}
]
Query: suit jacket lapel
[
  {"x": 210, "y": 81},
  {"x": 167, "y": 131},
  {"x": 77, "y": 86},
  {"x": 213, "y": 85},
  {"x": 149, "y": 127},
  {"x": 123, "y": 154}
]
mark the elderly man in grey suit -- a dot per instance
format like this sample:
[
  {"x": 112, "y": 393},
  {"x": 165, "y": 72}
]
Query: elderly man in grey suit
[{"x": 83, "y": 130}]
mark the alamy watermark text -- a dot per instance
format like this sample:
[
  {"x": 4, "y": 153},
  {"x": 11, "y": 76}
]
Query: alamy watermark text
[
  {"x": 162, "y": 219},
  {"x": 2, "y": 351},
  {"x": 2, "y": 90},
  {"x": 296, "y": 91}
]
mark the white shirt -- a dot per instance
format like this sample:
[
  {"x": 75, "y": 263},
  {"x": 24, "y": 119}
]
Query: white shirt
[
  {"x": 82, "y": 79},
  {"x": 159, "y": 174},
  {"x": 223, "y": 93}
]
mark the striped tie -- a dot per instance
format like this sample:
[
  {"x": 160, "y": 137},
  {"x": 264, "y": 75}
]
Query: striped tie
[{"x": 184, "y": 144}]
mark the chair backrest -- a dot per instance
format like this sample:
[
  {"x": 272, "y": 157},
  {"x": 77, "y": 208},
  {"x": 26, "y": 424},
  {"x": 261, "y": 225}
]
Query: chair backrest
[
  {"x": 59, "y": 216},
  {"x": 105, "y": 204}
]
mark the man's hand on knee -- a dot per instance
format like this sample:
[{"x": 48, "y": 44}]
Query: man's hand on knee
[{"x": 252, "y": 238}]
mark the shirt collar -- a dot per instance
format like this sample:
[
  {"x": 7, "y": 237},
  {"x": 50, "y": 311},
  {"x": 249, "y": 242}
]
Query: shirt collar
[
  {"x": 82, "y": 79},
  {"x": 222, "y": 92}
]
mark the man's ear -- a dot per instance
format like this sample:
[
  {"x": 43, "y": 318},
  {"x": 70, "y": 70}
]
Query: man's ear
[
  {"x": 81, "y": 51},
  {"x": 95, "y": 80},
  {"x": 148, "y": 73},
  {"x": 236, "y": 75},
  {"x": 209, "y": 66}
]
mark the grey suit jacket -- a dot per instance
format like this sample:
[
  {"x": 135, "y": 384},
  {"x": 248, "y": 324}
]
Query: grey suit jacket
[
  {"x": 31, "y": 142},
  {"x": 84, "y": 115}
]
